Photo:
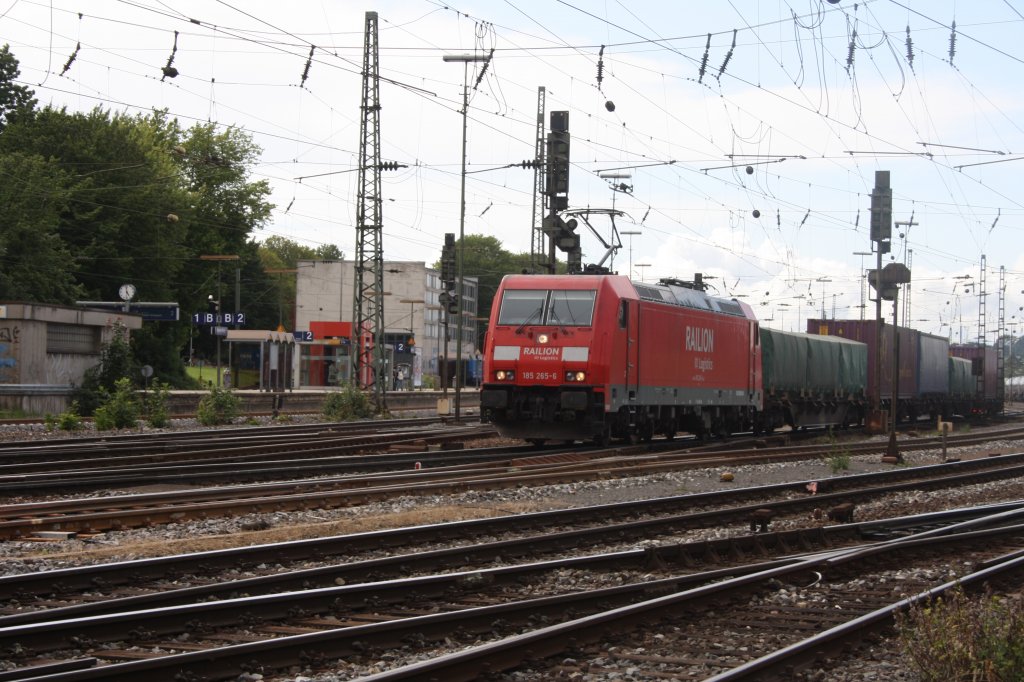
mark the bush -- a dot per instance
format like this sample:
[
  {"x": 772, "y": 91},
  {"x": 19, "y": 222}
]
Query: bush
[
  {"x": 70, "y": 420},
  {"x": 100, "y": 381},
  {"x": 219, "y": 406},
  {"x": 838, "y": 461},
  {"x": 348, "y": 403},
  {"x": 956, "y": 637},
  {"x": 155, "y": 405},
  {"x": 120, "y": 410}
]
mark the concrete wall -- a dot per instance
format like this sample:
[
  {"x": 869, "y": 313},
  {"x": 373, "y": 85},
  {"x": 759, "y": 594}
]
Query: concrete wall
[{"x": 36, "y": 379}]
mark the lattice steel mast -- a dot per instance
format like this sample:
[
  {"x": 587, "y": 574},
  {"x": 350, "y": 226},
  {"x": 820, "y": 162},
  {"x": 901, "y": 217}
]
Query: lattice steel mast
[
  {"x": 367, "y": 349},
  {"x": 982, "y": 294},
  {"x": 542, "y": 248},
  {"x": 1000, "y": 337}
]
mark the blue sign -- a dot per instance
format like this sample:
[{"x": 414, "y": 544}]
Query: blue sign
[
  {"x": 216, "y": 319},
  {"x": 303, "y": 336},
  {"x": 150, "y": 312}
]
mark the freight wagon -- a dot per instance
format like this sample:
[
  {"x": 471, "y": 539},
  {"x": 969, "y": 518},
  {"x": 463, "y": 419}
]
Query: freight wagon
[
  {"x": 935, "y": 378},
  {"x": 811, "y": 380},
  {"x": 988, "y": 388}
]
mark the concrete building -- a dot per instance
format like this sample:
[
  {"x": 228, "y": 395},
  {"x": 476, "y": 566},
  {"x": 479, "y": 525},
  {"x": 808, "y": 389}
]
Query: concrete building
[
  {"x": 412, "y": 308},
  {"x": 46, "y": 349}
]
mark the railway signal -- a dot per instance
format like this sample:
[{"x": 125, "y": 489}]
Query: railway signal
[{"x": 448, "y": 262}]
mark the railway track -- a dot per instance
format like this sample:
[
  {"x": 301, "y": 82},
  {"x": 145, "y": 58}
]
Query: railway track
[
  {"x": 129, "y": 445},
  {"x": 89, "y": 515},
  {"x": 283, "y": 457},
  {"x": 506, "y": 605},
  {"x": 741, "y": 628},
  {"x": 263, "y": 569}
]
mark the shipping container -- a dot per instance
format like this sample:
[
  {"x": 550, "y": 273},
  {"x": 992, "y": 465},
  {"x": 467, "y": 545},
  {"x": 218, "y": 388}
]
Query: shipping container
[
  {"x": 933, "y": 365},
  {"x": 961, "y": 383},
  {"x": 865, "y": 331},
  {"x": 984, "y": 369}
]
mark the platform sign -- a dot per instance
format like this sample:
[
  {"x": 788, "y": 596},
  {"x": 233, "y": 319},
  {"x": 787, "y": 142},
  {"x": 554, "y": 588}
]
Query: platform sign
[
  {"x": 216, "y": 319},
  {"x": 302, "y": 335},
  {"x": 156, "y": 311}
]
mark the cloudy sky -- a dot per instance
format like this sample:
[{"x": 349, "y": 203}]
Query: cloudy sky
[{"x": 750, "y": 131}]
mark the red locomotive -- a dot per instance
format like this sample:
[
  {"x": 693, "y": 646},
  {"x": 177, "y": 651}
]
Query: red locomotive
[{"x": 577, "y": 357}]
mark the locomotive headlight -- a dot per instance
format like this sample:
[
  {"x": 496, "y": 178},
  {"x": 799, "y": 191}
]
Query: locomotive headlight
[
  {"x": 542, "y": 338},
  {"x": 505, "y": 375},
  {"x": 575, "y": 376}
]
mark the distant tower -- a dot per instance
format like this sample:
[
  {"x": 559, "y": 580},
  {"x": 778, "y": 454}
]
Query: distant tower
[{"x": 368, "y": 360}]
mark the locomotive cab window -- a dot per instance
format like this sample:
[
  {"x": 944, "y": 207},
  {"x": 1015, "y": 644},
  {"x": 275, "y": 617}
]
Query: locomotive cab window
[
  {"x": 564, "y": 308},
  {"x": 571, "y": 308},
  {"x": 522, "y": 307}
]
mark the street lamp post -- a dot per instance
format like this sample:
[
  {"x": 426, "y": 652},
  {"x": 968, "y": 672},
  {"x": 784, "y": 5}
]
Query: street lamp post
[
  {"x": 219, "y": 258},
  {"x": 465, "y": 59},
  {"x": 823, "y": 280},
  {"x": 863, "y": 280},
  {"x": 642, "y": 266},
  {"x": 630, "y": 233},
  {"x": 412, "y": 311}
]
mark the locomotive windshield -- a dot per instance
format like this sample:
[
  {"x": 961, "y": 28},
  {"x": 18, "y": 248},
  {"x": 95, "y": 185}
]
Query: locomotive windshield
[
  {"x": 566, "y": 308},
  {"x": 571, "y": 308}
]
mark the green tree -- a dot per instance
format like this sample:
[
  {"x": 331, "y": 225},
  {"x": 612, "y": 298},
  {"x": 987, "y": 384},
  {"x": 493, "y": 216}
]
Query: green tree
[
  {"x": 121, "y": 188},
  {"x": 15, "y": 100},
  {"x": 144, "y": 199},
  {"x": 36, "y": 263},
  {"x": 329, "y": 252},
  {"x": 226, "y": 210}
]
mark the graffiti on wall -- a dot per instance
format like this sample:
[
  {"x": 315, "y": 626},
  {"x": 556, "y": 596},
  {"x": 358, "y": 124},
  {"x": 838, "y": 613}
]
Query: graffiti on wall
[
  {"x": 10, "y": 338},
  {"x": 65, "y": 369}
]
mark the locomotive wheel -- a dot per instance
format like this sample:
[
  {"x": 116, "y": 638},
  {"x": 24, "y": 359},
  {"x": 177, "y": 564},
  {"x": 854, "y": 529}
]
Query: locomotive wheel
[
  {"x": 601, "y": 439},
  {"x": 646, "y": 431},
  {"x": 537, "y": 442}
]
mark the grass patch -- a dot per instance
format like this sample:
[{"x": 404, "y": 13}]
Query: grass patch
[{"x": 838, "y": 458}]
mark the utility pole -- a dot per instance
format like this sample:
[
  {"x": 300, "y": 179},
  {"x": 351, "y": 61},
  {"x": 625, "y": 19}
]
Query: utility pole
[
  {"x": 368, "y": 363},
  {"x": 881, "y": 234},
  {"x": 459, "y": 293},
  {"x": 886, "y": 283}
]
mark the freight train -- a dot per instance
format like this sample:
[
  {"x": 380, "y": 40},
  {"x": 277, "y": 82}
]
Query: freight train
[{"x": 596, "y": 357}]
